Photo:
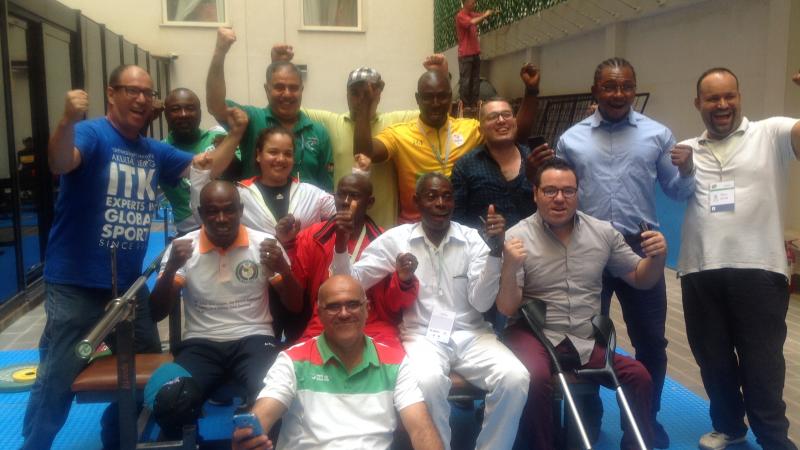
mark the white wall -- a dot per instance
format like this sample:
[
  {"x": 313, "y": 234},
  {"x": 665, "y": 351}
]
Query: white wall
[{"x": 397, "y": 36}]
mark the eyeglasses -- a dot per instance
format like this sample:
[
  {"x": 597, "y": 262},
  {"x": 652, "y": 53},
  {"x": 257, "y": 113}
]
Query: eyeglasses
[
  {"x": 493, "y": 117},
  {"x": 551, "y": 192},
  {"x": 350, "y": 306},
  {"x": 613, "y": 88},
  {"x": 134, "y": 92}
]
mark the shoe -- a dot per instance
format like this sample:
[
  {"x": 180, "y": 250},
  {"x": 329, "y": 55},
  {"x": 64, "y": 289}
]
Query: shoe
[
  {"x": 716, "y": 440},
  {"x": 660, "y": 436}
]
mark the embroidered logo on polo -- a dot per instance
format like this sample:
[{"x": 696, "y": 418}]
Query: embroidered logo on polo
[
  {"x": 247, "y": 271},
  {"x": 311, "y": 143}
]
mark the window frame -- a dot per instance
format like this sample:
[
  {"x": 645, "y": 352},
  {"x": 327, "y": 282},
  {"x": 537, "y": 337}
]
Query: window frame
[
  {"x": 165, "y": 22},
  {"x": 359, "y": 28}
]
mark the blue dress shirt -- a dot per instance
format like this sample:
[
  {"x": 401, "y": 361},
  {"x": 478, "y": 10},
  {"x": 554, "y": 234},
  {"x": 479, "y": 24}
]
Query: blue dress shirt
[{"x": 617, "y": 166}]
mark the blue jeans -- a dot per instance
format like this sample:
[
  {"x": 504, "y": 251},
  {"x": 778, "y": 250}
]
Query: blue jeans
[{"x": 71, "y": 313}]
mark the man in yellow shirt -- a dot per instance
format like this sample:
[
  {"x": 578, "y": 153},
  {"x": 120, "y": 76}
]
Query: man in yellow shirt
[{"x": 434, "y": 141}]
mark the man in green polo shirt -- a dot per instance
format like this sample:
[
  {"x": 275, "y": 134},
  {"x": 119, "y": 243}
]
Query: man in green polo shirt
[
  {"x": 313, "y": 160},
  {"x": 183, "y": 114}
]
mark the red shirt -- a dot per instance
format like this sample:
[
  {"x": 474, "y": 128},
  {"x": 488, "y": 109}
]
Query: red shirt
[
  {"x": 467, "y": 34},
  {"x": 311, "y": 261}
]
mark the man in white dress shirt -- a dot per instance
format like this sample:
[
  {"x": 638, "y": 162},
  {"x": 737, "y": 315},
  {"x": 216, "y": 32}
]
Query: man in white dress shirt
[{"x": 445, "y": 330}]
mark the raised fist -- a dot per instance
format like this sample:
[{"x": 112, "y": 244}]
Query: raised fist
[
  {"x": 406, "y": 266},
  {"x": 237, "y": 121},
  {"x": 530, "y": 76},
  {"x": 514, "y": 253},
  {"x": 287, "y": 228},
  {"x": 225, "y": 38},
  {"x": 180, "y": 253},
  {"x": 76, "y": 105},
  {"x": 281, "y": 52}
]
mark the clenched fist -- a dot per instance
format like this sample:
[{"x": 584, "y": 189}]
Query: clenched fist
[
  {"x": 237, "y": 121},
  {"x": 76, "y": 105},
  {"x": 681, "y": 156},
  {"x": 281, "y": 52},
  {"x": 654, "y": 244},
  {"x": 272, "y": 256},
  {"x": 180, "y": 253},
  {"x": 530, "y": 76},
  {"x": 406, "y": 266},
  {"x": 287, "y": 228},
  {"x": 514, "y": 253},
  {"x": 225, "y": 39}
]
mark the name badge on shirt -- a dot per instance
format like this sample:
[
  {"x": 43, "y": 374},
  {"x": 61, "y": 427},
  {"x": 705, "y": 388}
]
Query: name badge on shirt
[
  {"x": 440, "y": 326},
  {"x": 721, "y": 196}
]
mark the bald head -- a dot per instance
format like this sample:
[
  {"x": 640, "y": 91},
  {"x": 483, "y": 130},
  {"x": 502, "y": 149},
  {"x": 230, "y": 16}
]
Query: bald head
[
  {"x": 340, "y": 285},
  {"x": 357, "y": 181},
  {"x": 434, "y": 97},
  {"x": 219, "y": 189},
  {"x": 432, "y": 77},
  {"x": 221, "y": 211}
]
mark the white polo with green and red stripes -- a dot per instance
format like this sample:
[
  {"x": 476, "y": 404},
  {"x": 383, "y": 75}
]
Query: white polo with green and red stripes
[{"x": 332, "y": 409}]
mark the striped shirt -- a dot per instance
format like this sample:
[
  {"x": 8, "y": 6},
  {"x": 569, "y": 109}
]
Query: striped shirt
[{"x": 331, "y": 408}]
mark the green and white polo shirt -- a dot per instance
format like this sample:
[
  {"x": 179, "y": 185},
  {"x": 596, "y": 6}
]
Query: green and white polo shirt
[{"x": 330, "y": 408}]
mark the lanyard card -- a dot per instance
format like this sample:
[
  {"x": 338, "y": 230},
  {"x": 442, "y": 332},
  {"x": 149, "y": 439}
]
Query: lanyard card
[
  {"x": 721, "y": 196},
  {"x": 440, "y": 326}
]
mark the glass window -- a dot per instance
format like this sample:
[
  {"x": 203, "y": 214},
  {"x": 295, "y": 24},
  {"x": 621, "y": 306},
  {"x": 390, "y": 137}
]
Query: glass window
[
  {"x": 194, "y": 13},
  {"x": 331, "y": 15}
]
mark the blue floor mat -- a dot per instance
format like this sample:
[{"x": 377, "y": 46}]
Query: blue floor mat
[{"x": 683, "y": 414}]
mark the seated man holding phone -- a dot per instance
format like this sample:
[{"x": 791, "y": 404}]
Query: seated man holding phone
[{"x": 340, "y": 387}]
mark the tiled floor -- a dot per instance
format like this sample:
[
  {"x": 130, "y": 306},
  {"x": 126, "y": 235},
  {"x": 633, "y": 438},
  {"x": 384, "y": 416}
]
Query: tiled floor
[{"x": 25, "y": 332}]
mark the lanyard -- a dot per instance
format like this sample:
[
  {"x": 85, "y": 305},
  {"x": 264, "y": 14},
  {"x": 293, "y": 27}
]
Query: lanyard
[
  {"x": 438, "y": 154},
  {"x": 357, "y": 248}
]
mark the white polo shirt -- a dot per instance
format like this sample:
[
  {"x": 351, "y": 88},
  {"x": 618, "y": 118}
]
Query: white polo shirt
[
  {"x": 225, "y": 296},
  {"x": 751, "y": 235}
]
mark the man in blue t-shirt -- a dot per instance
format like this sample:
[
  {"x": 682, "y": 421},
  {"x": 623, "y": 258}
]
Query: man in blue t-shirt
[{"x": 109, "y": 177}]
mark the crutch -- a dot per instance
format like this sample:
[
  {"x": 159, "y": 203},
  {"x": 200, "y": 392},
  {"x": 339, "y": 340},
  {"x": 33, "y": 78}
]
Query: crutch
[
  {"x": 604, "y": 330},
  {"x": 534, "y": 313}
]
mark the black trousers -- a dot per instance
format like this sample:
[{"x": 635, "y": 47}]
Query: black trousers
[
  {"x": 736, "y": 325},
  {"x": 244, "y": 361},
  {"x": 645, "y": 315},
  {"x": 469, "y": 79}
]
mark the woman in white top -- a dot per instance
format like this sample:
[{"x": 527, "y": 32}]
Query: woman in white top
[{"x": 275, "y": 202}]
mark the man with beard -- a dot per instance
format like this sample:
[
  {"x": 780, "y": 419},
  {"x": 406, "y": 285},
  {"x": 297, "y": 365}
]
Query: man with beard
[
  {"x": 734, "y": 275},
  {"x": 313, "y": 159},
  {"x": 444, "y": 329},
  {"x": 341, "y": 389}
]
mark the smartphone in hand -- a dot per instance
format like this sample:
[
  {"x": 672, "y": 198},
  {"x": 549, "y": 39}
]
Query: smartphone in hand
[{"x": 248, "y": 420}]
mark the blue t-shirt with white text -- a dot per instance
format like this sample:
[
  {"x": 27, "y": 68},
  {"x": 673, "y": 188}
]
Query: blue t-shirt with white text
[{"x": 108, "y": 201}]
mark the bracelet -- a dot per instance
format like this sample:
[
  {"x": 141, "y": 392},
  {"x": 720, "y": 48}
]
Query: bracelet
[
  {"x": 529, "y": 91},
  {"x": 275, "y": 279}
]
